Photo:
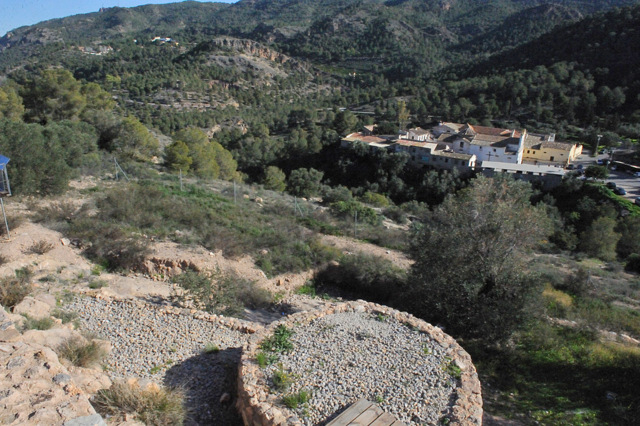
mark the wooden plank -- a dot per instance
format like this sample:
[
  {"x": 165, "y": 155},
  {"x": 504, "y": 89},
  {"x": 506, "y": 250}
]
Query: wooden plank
[
  {"x": 351, "y": 413},
  {"x": 365, "y": 419},
  {"x": 386, "y": 419},
  {"x": 398, "y": 423}
]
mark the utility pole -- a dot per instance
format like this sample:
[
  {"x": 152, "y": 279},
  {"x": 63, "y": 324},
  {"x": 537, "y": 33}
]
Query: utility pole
[{"x": 597, "y": 145}]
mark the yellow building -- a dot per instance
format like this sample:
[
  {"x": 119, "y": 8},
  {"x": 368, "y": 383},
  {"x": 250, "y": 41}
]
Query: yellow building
[{"x": 543, "y": 149}]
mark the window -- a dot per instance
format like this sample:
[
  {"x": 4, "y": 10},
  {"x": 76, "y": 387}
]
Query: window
[
  {"x": 494, "y": 150},
  {"x": 461, "y": 144}
]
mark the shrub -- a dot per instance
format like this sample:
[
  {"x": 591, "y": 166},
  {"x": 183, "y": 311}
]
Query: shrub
[
  {"x": 14, "y": 289},
  {"x": 40, "y": 247},
  {"x": 350, "y": 208},
  {"x": 3, "y": 259},
  {"x": 161, "y": 406},
  {"x": 80, "y": 352},
  {"x": 36, "y": 323},
  {"x": 577, "y": 283},
  {"x": 633, "y": 263},
  {"x": 218, "y": 293},
  {"x": 96, "y": 284},
  {"x": 363, "y": 276},
  {"x": 263, "y": 359},
  {"x": 375, "y": 199}
]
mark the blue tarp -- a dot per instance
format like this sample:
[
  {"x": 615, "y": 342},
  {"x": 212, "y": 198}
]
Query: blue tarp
[{"x": 3, "y": 161}]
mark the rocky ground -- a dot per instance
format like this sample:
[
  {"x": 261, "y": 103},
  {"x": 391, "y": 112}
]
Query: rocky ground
[
  {"x": 343, "y": 357},
  {"x": 152, "y": 343}
]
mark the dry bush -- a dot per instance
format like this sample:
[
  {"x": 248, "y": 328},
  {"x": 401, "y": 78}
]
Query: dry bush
[
  {"x": 159, "y": 406},
  {"x": 40, "y": 247},
  {"x": 80, "y": 352},
  {"x": 14, "y": 289}
]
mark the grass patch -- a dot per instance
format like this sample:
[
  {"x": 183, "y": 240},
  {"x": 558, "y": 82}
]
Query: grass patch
[
  {"x": 161, "y": 406},
  {"x": 264, "y": 359},
  {"x": 294, "y": 400},
  {"x": 96, "y": 284},
  {"x": 80, "y": 352},
  {"x": 30, "y": 323},
  {"x": 308, "y": 289},
  {"x": 211, "y": 348}
]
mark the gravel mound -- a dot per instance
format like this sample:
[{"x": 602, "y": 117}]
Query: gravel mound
[
  {"x": 343, "y": 357},
  {"x": 150, "y": 343}
]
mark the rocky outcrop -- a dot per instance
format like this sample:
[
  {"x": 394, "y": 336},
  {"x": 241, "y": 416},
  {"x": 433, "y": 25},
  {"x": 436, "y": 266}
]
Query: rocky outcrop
[{"x": 35, "y": 386}]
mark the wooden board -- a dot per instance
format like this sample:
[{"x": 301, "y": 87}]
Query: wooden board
[{"x": 365, "y": 413}]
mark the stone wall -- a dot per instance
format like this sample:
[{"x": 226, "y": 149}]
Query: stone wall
[{"x": 259, "y": 407}]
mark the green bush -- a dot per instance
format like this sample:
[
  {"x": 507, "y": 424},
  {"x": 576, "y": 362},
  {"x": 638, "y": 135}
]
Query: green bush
[{"x": 350, "y": 208}]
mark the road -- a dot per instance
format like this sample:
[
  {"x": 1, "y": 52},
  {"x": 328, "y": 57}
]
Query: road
[{"x": 629, "y": 183}]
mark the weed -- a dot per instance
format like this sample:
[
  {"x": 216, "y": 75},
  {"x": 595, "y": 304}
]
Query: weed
[
  {"x": 263, "y": 359},
  {"x": 97, "y": 269},
  {"x": 307, "y": 289},
  {"x": 282, "y": 379},
  {"x": 426, "y": 349},
  {"x": 3, "y": 259},
  {"x": 294, "y": 400},
  {"x": 30, "y": 323},
  {"x": 453, "y": 369},
  {"x": 40, "y": 247},
  {"x": 380, "y": 317},
  {"x": 155, "y": 369},
  {"x": 152, "y": 406},
  {"x": 379, "y": 399},
  {"x": 211, "y": 348},
  {"x": 279, "y": 341},
  {"x": 96, "y": 284},
  {"x": 80, "y": 352}
]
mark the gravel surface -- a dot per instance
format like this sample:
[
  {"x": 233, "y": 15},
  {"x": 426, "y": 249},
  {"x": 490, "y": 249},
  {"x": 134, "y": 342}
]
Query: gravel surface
[
  {"x": 341, "y": 358},
  {"x": 168, "y": 349}
]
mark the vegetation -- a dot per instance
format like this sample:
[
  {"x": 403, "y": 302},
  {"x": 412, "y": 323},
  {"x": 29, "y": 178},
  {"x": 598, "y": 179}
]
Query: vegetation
[
  {"x": 30, "y": 323},
  {"x": 14, "y": 289},
  {"x": 151, "y": 406},
  {"x": 240, "y": 109},
  {"x": 295, "y": 400},
  {"x": 80, "y": 352},
  {"x": 220, "y": 294}
]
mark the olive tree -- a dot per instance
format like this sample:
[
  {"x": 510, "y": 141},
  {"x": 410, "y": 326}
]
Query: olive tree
[{"x": 469, "y": 272}]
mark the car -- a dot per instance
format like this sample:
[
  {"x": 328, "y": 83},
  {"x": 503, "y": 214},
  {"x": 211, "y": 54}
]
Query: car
[
  {"x": 599, "y": 162},
  {"x": 611, "y": 185},
  {"x": 636, "y": 201},
  {"x": 571, "y": 166},
  {"x": 619, "y": 191},
  {"x": 580, "y": 167}
]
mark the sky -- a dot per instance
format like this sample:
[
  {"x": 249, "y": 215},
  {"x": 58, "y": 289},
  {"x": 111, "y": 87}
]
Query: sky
[{"x": 17, "y": 13}]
